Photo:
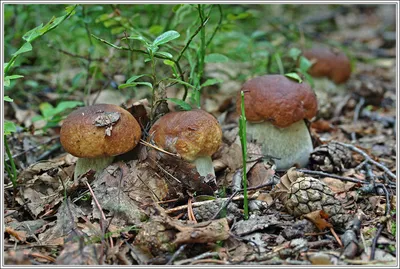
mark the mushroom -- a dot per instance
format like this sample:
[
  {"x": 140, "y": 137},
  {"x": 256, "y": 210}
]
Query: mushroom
[
  {"x": 275, "y": 108},
  {"x": 97, "y": 133},
  {"x": 330, "y": 63},
  {"x": 194, "y": 135}
]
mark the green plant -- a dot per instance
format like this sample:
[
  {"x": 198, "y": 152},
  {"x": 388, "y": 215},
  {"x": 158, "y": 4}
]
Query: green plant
[
  {"x": 194, "y": 53},
  {"x": 53, "y": 115},
  {"x": 32, "y": 35},
  {"x": 28, "y": 37},
  {"x": 243, "y": 142},
  {"x": 10, "y": 127}
]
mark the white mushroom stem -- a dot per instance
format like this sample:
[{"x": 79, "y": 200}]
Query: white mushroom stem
[
  {"x": 83, "y": 165},
  {"x": 204, "y": 166},
  {"x": 292, "y": 144}
]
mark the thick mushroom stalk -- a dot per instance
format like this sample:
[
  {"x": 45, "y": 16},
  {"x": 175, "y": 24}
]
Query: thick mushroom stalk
[
  {"x": 204, "y": 166},
  {"x": 275, "y": 108},
  {"x": 292, "y": 145},
  {"x": 195, "y": 135},
  {"x": 83, "y": 165},
  {"x": 97, "y": 133}
]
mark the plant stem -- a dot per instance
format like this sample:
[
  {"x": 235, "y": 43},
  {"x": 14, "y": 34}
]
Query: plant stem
[
  {"x": 154, "y": 79},
  {"x": 202, "y": 54},
  {"x": 243, "y": 141},
  {"x": 218, "y": 26},
  {"x": 13, "y": 175}
]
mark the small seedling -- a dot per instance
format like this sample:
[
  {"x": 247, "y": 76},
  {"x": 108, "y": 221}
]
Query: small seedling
[{"x": 243, "y": 141}]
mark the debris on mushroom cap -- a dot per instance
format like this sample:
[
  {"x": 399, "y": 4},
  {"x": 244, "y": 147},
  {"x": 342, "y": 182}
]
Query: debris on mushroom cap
[
  {"x": 191, "y": 134},
  {"x": 99, "y": 130},
  {"x": 329, "y": 63},
  {"x": 277, "y": 99}
]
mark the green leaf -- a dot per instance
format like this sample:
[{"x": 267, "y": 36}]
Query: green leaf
[
  {"x": 117, "y": 30},
  {"x": 211, "y": 81},
  {"x": 8, "y": 99},
  {"x": 25, "y": 48},
  {"x": 47, "y": 109},
  {"x": 170, "y": 63},
  {"x": 133, "y": 78},
  {"x": 106, "y": 42},
  {"x": 216, "y": 58},
  {"x": 126, "y": 85},
  {"x": 139, "y": 37},
  {"x": 9, "y": 127},
  {"x": 32, "y": 34},
  {"x": 165, "y": 37},
  {"x": 182, "y": 104},
  {"x": 165, "y": 54},
  {"x": 13, "y": 77},
  {"x": 305, "y": 64},
  {"x": 37, "y": 118},
  {"x": 64, "y": 105},
  {"x": 294, "y": 53},
  {"x": 181, "y": 82},
  {"x": 294, "y": 76},
  {"x": 156, "y": 29}
]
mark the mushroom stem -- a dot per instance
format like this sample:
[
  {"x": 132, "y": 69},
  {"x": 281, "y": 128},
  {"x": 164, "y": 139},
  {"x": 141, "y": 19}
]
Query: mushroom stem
[
  {"x": 292, "y": 145},
  {"x": 97, "y": 164},
  {"x": 204, "y": 166}
]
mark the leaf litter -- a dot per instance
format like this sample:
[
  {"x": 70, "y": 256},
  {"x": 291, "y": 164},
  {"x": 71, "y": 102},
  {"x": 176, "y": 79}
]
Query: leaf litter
[{"x": 136, "y": 211}]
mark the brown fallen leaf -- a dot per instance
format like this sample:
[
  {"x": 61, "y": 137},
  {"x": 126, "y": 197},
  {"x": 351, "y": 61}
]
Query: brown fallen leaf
[
  {"x": 19, "y": 235},
  {"x": 260, "y": 174},
  {"x": 79, "y": 253},
  {"x": 319, "y": 218},
  {"x": 204, "y": 232},
  {"x": 338, "y": 186}
]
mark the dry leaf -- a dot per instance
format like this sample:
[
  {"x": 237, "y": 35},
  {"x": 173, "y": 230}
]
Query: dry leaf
[{"x": 319, "y": 218}]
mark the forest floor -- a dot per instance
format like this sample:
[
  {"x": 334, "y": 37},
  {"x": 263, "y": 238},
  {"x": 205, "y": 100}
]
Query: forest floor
[{"x": 133, "y": 212}]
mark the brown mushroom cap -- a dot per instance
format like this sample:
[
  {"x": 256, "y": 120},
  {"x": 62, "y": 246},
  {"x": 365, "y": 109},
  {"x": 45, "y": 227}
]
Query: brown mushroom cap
[
  {"x": 329, "y": 63},
  {"x": 80, "y": 137},
  {"x": 191, "y": 134},
  {"x": 277, "y": 99}
]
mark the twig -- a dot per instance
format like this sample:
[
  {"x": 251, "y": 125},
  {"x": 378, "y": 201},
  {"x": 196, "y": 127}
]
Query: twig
[
  {"x": 190, "y": 211},
  {"x": 323, "y": 174},
  {"x": 236, "y": 192},
  {"x": 176, "y": 254},
  {"x": 357, "y": 110},
  {"x": 199, "y": 257},
  {"x": 209, "y": 261},
  {"x": 101, "y": 212},
  {"x": 147, "y": 144},
  {"x": 41, "y": 256},
  {"x": 367, "y": 157},
  {"x": 197, "y": 204},
  {"x": 375, "y": 241},
  {"x": 336, "y": 237}
]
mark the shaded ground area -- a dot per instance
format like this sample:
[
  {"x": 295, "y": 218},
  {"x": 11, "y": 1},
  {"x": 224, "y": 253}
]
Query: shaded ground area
[{"x": 153, "y": 208}]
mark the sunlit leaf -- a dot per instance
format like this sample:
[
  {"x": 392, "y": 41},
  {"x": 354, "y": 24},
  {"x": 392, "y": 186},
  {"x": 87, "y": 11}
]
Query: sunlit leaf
[
  {"x": 182, "y": 104},
  {"x": 216, "y": 58},
  {"x": 294, "y": 76},
  {"x": 211, "y": 81},
  {"x": 9, "y": 127},
  {"x": 25, "y": 48},
  {"x": 8, "y": 99},
  {"x": 166, "y": 37}
]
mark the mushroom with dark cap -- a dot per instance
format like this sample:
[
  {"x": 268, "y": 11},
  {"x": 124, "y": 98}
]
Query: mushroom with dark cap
[
  {"x": 330, "y": 63},
  {"x": 275, "y": 108},
  {"x": 194, "y": 135},
  {"x": 97, "y": 133}
]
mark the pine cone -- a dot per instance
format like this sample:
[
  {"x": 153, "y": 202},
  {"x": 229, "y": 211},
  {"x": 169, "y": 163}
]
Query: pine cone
[
  {"x": 308, "y": 194},
  {"x": 302, "y": 195},
  {"x": 332, "y": 157}
]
